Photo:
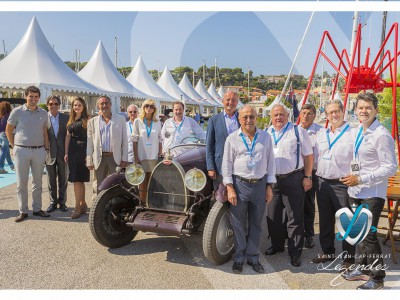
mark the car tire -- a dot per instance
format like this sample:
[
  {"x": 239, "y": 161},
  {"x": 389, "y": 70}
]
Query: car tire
[
  {"x": 218, "y": 234},
  {"x": 103, "y": 226}
]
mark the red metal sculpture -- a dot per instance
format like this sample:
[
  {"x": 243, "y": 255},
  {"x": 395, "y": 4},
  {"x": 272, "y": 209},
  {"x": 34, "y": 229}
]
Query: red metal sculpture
[{"x": 359, "y": 77}]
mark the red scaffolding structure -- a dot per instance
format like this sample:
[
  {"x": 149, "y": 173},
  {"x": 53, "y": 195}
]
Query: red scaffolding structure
[{"x": 360, "y": 77}]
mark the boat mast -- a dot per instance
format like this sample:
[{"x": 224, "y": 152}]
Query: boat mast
[
  {"x": 353, "y": 34},
  {"x": 116, "y": 52},
  {"x": 215, "y": 71},
  {"x": 383, "y": 36}
]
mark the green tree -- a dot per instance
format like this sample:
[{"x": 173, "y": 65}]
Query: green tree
[
  {"x": 178, "y": 73},
  {"x": 385, "y": 103}
]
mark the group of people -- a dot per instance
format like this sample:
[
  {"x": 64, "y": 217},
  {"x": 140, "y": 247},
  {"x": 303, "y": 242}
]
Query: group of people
[
  {"x": 280, "y": 170},
  {"x": 286, "y": 167}
]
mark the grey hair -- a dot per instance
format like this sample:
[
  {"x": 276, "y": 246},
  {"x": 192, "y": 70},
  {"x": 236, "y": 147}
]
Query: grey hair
[
  {"x": 334, "y": 101},
  {"x": 132, "y": 105},
  {"x": 248, "y": 106},
  {"x": 282, "y": 105}
]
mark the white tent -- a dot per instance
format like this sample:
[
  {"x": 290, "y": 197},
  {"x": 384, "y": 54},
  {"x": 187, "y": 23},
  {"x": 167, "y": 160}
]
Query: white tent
[
  {"x": 142, "y": 80},
  {"x": 300, "y": 102},
  {"x": 212, "y": 91},
  {"x": 221, "y": 91},
  {"x": 168, "y": 84},
  {"x": 188, "y": 88},
  {"x": 101, "y": 72},
  {"x": 201, "y": 89},
  {"x": 276, "y": 101},
  {"x": 34, "y": 62}
]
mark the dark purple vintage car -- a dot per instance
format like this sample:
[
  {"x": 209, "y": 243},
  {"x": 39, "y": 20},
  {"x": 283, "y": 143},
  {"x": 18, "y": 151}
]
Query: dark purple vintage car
[{"x": 179, "y": 199}]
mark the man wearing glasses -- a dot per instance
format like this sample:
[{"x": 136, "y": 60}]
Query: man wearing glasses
[
  {"x": 179, "y": 127},
  {"x": 132, "y": 114},
  {"x": 30, "y": 144},
  {"x": 107, "y": 141},
  {"x": 307, "y": 117},
  {"x": 55, "y": 164}
]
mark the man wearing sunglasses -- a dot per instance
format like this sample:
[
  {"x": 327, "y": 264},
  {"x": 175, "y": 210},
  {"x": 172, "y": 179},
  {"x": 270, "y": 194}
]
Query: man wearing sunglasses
[
  {"x": 55, "y": 163},
  {"x": 133, "y": 111},
  {"x": 179, "y": 127}
]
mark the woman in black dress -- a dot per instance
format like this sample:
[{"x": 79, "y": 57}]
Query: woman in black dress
[{"x": 75, "y": 149}]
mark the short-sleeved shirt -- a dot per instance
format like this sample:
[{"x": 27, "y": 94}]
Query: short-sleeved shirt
[
  {"x": 29, "y": 125},
  {"x": 312, "y": 132},
  {"x": 147, "y": 145}
]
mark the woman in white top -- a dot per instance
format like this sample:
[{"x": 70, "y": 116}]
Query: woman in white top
[{"x": 147, "y": 145}]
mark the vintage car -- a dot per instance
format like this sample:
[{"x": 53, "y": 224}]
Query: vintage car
[{"x": 179, "y": 199}]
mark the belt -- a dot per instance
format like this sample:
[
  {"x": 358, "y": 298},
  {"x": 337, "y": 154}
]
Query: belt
[
  {"x": 107, "y": 153},
  {"x": 248, "y": 180},
  {"x": 30, "y": 147},
  {"x": 335, "y": 180},
  {"x": 288, "y": 174}
]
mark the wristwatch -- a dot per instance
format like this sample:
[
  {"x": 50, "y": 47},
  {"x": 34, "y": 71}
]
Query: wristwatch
[{"x": 308, "y": 177}]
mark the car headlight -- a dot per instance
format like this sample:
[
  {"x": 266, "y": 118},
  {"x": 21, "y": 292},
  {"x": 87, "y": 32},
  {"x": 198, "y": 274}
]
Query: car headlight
[
  {"x": 195, "y": 180},
  {"x": 134, "y": 174}
]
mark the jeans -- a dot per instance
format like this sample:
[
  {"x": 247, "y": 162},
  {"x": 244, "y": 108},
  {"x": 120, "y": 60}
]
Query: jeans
[{"x": 4, "y": 151}]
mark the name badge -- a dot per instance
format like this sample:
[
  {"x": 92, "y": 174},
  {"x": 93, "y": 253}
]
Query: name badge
[
  {"x": 276, "y": 151},
  {"x": 355, "y": 167},
  {"x": 148, "y": 144},
  {"x": 250, "y": 163},
  {"x": 327, "y": 155}
]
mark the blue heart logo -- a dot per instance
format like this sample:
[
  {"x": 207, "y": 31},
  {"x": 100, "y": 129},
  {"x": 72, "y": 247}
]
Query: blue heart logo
[{"x": 354, "y": 227}]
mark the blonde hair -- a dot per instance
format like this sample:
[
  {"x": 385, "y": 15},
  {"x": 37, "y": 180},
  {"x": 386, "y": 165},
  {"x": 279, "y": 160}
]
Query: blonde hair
[
  {"x": 85, "y": 116},
  {"x": 143, "y": 113}
]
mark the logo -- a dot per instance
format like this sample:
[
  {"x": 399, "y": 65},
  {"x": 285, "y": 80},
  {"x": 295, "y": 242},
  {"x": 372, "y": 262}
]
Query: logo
[{"x": 354, "y": 227}]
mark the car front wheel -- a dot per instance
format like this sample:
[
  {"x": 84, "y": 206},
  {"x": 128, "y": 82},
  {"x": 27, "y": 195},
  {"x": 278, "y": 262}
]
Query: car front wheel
[
  {"x": 218, "y": 234},
  {"x": 108, "y": 216}
]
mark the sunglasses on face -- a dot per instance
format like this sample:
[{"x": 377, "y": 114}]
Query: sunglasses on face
[
  {"x": 52, "y": 104},
  {"x": 133, "y": 112},
  {"x": 149, "y": 105}
]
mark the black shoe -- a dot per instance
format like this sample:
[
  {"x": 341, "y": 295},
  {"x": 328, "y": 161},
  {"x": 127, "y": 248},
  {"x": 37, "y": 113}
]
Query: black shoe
[
  {"x": 371, "y": 285},
  {"x": 295, "y": 261},
  {"x": 237, "y": 267},
  {"x": 21, "y": 217},
  {"x": 309, "y": 243},
  {"x": 63, "y": 207},
  {"x": 272, "y": 250},
  {"x": 355, "y": 275},
  {"x": 322, "y": 258},
  {"x": 52, "y": 208},
  {"x": 257, "y": 267},
  {"x": 41, "y": 213}
]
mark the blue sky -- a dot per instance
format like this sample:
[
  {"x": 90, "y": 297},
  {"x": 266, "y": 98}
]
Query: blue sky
[{"x": 266, "y": 42}]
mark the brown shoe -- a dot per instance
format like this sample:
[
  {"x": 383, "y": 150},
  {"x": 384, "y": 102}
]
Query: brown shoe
[
  {"x": 76, "y": 214},
  {"x": 21, "y": 217},
  {"x": 41, "y": 213},
  {"x": 322, "y": 258},
  {"x": 84, "y": 209}
]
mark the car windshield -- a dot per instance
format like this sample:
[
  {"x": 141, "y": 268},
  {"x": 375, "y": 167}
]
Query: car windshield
[{"x": 187, "y": 144}]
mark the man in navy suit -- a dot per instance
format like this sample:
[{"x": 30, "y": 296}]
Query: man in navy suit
[{"x": 218, "y": 129}]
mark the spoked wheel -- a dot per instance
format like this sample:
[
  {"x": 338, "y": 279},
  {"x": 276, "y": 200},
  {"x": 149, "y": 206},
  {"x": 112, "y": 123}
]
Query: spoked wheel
[
  {"x": 108, "y": 216},
  {"x": 218, "y": 234}
]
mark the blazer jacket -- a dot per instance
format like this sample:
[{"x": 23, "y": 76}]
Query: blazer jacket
[
  {"x": 57, "y": 143},
  {"x": 119, "y": 141}
]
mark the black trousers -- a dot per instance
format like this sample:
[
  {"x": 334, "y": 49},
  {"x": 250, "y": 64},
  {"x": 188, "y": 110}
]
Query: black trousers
[
  {"x": 369, "y": 249},
  {"x": 332, "y": 196},
  {"x": 309, "y": 207},
  {"x": 57, "y": 173},
  {"x": 288, "y": 192}
]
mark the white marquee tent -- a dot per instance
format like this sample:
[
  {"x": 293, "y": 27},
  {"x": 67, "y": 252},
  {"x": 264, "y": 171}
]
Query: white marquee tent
[
  {"x": 213, "y": 92},
  {"x": 201, "y": 89},
  {"x": 188, "y": 88},
  {"x": 34, "y": 62}
]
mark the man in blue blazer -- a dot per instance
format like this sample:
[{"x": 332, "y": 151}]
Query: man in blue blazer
[{"x": 218, "y": 129}]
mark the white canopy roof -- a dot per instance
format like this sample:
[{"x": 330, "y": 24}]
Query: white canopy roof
[
  {"x": 201, "y": 89},
  {"x": 34, "y": 62},
  {"x": 301, "y": 101},
  {"x": 276, "y": 101},
  {"x": 212, "y": 91},
  {"x": 221, "y": 91},
  {"x": 168, "y": 84},
  {"x": 101, "y": 72},
  {"x": 188, "y": 88},
  {"x": 142, "y": 80}
]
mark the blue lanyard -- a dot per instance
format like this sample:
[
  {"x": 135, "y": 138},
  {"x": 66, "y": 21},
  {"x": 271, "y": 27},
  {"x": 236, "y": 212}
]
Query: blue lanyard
[
  {"x": 337, "y": 138},
  {"x": 359, "y": 140},
  {"x": 284, "y": 130},
  {"x": 130, "y": 126},
  {"x": 253, "y": 144},
  {"x": 178, "y": 128},
  {"x": 148, "y": 129}
]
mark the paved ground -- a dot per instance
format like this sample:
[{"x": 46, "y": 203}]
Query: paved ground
[{"x": 60, "y": 253}]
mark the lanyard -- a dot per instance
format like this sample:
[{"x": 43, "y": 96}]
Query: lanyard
[
  {"x": 130, "y": 126},
  {"x": 337, "y": 138},
  {"x": 178, "y": 128},
  {"x": 252, "y": 144},
  {"x": 359, "y": 140},
  {"x": 148, "y": 129},
  {"x": 284, "y": 130}
]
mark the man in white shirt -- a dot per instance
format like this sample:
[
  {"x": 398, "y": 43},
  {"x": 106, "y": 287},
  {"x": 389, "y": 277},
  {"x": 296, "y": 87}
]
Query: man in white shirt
[
  {"x": 307, "y": 117},
  {"x": 294, "y": 163},
  {"x": 335, "y": 148},
  {"x": 132, "y": 114},
  {"x": 248, "y": 170},
  {"x": 179, "y": 127},
  {"x": 374, "y": 162}
]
